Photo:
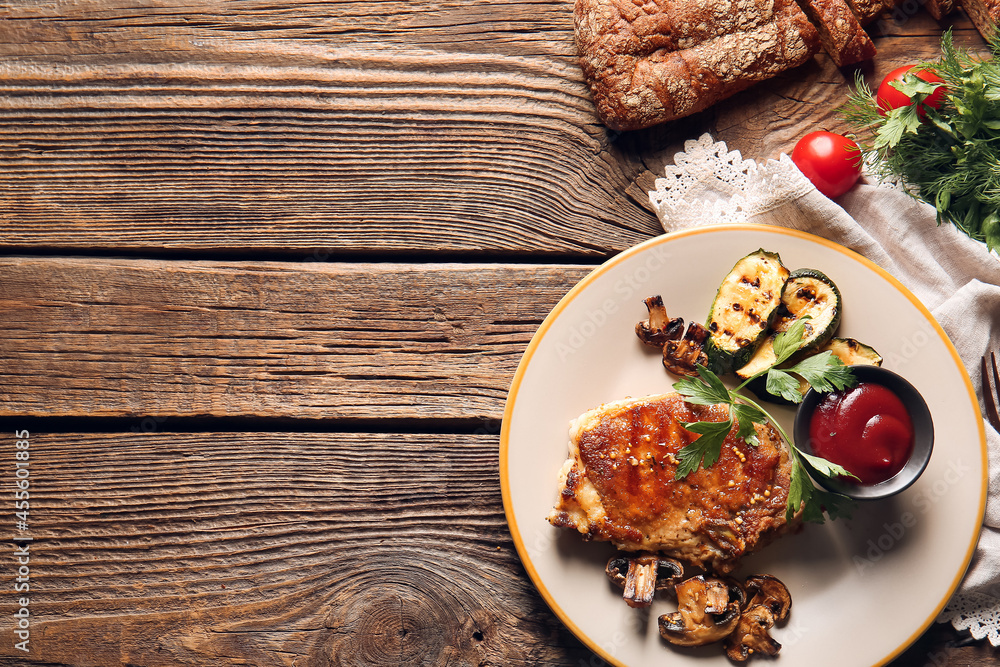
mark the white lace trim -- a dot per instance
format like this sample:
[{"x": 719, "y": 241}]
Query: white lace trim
[
  {"x": 976, "y": 612},
  {"x": 710, "y": 184}
]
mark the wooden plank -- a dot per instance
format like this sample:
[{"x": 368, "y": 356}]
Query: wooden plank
[
  {"x": 294, "y": 126},
  {"x": 273, "y": 549},
  {"x": 269, "y": 549},
  {"x": 353, "y": 127},
  {"x": 123, "y": 338}
]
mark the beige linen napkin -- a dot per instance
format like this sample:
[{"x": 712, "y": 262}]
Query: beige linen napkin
[{"x": 955, "y": 277}]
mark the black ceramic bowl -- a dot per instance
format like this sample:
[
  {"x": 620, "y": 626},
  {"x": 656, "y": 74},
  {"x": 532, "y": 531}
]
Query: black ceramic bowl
[{"x": 923, "y": 434}]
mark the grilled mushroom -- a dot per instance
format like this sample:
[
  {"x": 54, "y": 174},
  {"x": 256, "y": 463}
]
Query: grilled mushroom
[
  {"x": 770, "y": 592},
  {"x": 751, "y": 635},
  {"x": 660, "y": 327},
  {"x": 769, "y": 603},
  {"x": 640, "y": 576},
  {"x": 708, "y": 609},
  {"x": 681, "y": 356}
]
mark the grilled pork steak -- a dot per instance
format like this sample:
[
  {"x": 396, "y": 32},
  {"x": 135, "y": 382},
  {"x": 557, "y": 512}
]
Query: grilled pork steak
[{"x": 618, "y": 484}]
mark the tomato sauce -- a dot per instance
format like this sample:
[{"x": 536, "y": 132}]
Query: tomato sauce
[{"x": 865, "y": 429}]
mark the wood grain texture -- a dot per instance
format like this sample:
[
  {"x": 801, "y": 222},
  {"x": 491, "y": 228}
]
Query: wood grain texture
[
  {"x": 345, "y": 127},
  {"x": 351, "y": 127},
  {"x": 288, "y": 549},
  {"x": 122, "y": 338},
  {"x": 275, "y": 549},
  {"x": 309, "y": 132}
]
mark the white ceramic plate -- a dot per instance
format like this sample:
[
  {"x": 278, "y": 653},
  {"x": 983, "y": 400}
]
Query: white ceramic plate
[{"x": 862, "y": 589}]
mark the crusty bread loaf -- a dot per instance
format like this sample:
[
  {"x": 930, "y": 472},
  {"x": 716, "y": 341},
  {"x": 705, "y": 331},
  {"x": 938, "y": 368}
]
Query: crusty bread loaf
[
  {"x": 985, "y": 14},
  {"x": 843, "y": 37},
  {"x": 867, "y": 10},
  {"x": 652, "y": 61},
  {"x": 940, "y": 8}
]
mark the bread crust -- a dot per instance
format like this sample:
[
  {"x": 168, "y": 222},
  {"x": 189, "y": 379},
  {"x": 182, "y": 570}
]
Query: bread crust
[
  {"x": 940, "y": 8},
  {"x": 651, "y": 61},
  {"x": 868, "y": 10},
  {"x": 842, "y": 35},
  {"x": 984, "y": 14}
]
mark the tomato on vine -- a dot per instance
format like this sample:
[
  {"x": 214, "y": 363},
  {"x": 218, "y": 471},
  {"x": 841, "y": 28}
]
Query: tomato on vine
[{"x": 831, "y": 161}]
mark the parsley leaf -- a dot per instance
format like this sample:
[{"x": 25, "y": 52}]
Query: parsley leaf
[
  {"x": 813, "y": 501},
  {"x": 898, "y": 122},
  {"x": 800, "y": 492},
  {"x": 705, "y": 450},
  {"x": 706, "y": 389},
  {"x": 789, "y": 341},
  {"x": 912, "y": 85},
  {"x": 780, "y": 383},
  {"x": 824, "y": 372},
  {"x": 946, "y": 156},
  {"x": 835, "y": 505},
  {"x": 746, "y": 416},
  {"x": 826, "y": 468}
]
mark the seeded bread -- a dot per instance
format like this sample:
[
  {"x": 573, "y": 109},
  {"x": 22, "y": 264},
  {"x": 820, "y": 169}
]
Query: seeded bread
[
  {"x": 651, "y": 61},
  {"x": 843, "y": 37},
  {"x": 867, "y": 10},
  {"x": 940, "y": 8},
  {"x": 985, "y": 14}
]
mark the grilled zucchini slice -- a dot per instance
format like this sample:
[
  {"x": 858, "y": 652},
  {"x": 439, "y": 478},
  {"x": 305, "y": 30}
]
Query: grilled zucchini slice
[
  {"x": 744, "y": 305},
  {"x": 848, "y": 350},
  {"x": 808, "y": 293},
  {"x": 852, "y": 352}
]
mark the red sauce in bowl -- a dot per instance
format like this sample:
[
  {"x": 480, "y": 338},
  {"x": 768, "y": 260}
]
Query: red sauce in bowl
[{"x": 865, "y": 429}]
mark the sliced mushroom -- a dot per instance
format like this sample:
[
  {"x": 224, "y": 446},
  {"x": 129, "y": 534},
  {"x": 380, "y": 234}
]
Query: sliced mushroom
[
  {"x": 751, "y": 636},
  {"x": 708, "y": 609},
  {"x": 640, "y": 576},
  {"x": 769, "y": 603},
  {"x": 660, "y": 327},
  {"x": 763, "y": 589},
  {"x": 681, "y": 356}
]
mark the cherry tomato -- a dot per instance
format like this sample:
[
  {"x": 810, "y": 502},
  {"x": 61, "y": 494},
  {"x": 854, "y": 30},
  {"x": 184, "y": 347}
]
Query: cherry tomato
[
  {"x": 831, "y": 161},
  {"x": 888, "y": 98}
]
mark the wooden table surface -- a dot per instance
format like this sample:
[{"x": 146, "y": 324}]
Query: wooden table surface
[{"x": 266, "y": 271}]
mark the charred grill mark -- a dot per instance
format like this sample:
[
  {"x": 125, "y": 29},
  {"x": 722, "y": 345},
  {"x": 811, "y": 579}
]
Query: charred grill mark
[
  {"x": 713, "y": 327},
  {"x": 737, "y": 307},
  {"x": 806, "y": 293},
  {"x": 572, "y": 482},
  {"x": 755, "y": 283}
]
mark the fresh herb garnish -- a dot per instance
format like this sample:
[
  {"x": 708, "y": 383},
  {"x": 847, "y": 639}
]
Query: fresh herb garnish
[
  {"x": 823, "y": 371},
  {"x": 950, "y": 156}
]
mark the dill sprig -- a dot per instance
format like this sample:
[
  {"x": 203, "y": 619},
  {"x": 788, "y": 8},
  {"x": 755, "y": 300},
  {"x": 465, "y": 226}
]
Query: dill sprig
[{"x": 949, "y": 156}]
